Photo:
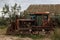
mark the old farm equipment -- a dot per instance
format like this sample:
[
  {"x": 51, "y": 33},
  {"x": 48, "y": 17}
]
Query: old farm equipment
[{"x": 32, "y": 24}]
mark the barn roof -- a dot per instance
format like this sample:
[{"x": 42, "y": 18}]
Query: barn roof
[{"x": 53, "y": 8}]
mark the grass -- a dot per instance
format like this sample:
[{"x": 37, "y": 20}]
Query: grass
[
  {"x": 56, "y": 35},
  {"x": 3, "y": 30},
  {"x": 3, "y": 27},
  {"x": 31, "y": 36}
]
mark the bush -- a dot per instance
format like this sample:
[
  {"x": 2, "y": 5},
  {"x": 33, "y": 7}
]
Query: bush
[
  {"x": 3, "y": 22},
  {"x": 56, "y": 20}
]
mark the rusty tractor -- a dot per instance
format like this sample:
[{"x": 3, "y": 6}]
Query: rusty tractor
[{"x": 33, "y": 24}]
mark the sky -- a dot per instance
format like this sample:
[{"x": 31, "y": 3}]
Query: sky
[{"x": 25, "y": 3}]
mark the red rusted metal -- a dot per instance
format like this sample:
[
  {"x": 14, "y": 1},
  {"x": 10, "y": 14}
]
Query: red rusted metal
[
  {"x": 27, "y": 27},
  {"x": 40, "y": 13}
]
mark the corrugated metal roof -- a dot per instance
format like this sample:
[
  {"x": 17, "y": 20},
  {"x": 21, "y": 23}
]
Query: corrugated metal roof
[{"x": 43, "y": 8}]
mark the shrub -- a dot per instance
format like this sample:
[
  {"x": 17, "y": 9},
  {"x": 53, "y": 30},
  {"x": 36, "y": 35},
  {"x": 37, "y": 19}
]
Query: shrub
[{"x": 56, "y": 20}]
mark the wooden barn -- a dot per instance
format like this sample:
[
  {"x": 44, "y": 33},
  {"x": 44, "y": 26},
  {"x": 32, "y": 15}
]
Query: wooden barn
[{"x": 54, "y": 9}]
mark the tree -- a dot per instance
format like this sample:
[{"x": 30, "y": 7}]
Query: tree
[
  {"x": 5, "y": 10},
  {"x": 15, "y": 10},
  {"x": 11, "y": 11}
]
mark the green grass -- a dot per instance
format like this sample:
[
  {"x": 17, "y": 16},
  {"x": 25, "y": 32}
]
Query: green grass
[
  {"x": 2, "y": 27},
  {"x": 56, "y": 35},
  {"x": 31, "y": 36}
]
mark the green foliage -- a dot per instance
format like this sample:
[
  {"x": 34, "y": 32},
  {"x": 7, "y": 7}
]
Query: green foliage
[
  {"x": 2, "y": 22},
  {"x": 15, "y": 10},
  {"x": 26, "y": 14},
  {"x": 56, "y": 19},
  {"x": 5, "y": 9},
  {"x": 12, "y": 12},
  {"x": 2, "y": 27}
]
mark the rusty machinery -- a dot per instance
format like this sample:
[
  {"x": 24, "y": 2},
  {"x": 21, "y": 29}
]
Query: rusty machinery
[{"x": 35, "y": 23}]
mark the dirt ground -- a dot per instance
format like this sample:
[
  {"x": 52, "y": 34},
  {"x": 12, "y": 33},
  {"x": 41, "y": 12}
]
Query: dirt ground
[
  {"x": 5, "y": 37},
  {"x": 10, "y": 37}
]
